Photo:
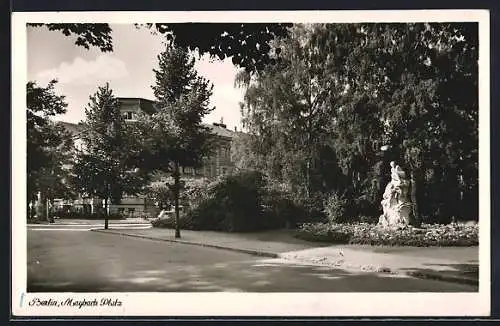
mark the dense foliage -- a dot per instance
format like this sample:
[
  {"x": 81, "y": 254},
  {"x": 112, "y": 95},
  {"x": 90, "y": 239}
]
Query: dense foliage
[
  {"x": 455, "y": 234},
  {"x": 317, "y": 119},
  {"x": 242, "y": 202},
  {"x": 87, "y": 35},
  {"x": 102, "y": 167},
  {"x": 48, "y": 146},
  {"x": 160, "y": 191}
]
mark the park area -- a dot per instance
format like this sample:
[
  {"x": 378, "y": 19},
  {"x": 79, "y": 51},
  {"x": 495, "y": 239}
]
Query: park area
[{"x": 353, "y": 165}]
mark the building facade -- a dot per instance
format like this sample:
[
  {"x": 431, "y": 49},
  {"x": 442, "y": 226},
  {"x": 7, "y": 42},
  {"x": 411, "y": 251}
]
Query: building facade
[{"x": 217, "y": 164}]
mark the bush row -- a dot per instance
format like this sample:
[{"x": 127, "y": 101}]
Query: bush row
[{"x": 456, "y": 234}]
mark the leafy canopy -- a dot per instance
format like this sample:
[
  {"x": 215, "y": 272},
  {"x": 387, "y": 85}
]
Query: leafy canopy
[
  {"x": 48, "y": 144},
  {"x": 247, "y": 44},
  {"x": 340, "y": 91},
  {"x": 174, "y": 134}
]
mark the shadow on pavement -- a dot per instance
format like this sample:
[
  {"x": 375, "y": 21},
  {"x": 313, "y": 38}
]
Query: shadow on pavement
[
  {"x": 96, "y": 262},
  {"x": 468, "y": 272},
  {"x": 248, "y": 277}
]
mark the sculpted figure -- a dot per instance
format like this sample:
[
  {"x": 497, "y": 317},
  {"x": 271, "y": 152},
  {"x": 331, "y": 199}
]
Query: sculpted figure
[{"x": 395, "y": 204}]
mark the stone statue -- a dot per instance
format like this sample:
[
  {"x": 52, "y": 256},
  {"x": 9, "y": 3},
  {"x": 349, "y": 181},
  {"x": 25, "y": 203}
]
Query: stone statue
[{"x": 395, "y": 204}]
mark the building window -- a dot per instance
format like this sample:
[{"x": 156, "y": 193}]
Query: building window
[{"x": 128, "y": 115}]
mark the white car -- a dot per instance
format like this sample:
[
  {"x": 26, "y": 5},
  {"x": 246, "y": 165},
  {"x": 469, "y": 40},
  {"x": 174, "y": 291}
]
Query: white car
[{"x": 166, "y": 214}]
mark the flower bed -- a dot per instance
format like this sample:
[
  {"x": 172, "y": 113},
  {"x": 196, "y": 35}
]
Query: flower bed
[{"x": 457, "y": 234}]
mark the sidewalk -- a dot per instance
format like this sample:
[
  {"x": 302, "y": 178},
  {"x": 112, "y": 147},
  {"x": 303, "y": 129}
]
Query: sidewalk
[
  {"x": 266, "y": 244},
  {"x": 455, "y": 264},
  {"x": 93, "y": 221}
]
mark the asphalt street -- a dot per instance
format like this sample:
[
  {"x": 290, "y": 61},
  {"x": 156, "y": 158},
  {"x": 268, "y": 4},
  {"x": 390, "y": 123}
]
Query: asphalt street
[{"x": 86, "y": 261}]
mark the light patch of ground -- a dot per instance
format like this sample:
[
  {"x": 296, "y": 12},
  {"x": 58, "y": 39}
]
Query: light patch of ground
[{"x": 360, "y": 261}]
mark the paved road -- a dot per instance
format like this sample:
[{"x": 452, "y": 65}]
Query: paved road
[{"x": 66, "y": 261}]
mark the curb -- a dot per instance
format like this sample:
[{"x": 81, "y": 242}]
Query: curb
[
  {"x": 381, "y": 270},
  {"x": 246, "y": 251}
]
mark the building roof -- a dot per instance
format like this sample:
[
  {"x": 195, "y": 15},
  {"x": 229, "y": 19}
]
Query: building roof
[
  {"x": 221, "y": 130},
  {"x": 146, "y": 105},
  {"x": 217, "y": 128},
  {"x": 135, "y": 98}
]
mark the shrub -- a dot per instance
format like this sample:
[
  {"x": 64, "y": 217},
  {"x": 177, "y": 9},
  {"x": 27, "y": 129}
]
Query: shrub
[
  {"x": 313, "y": 208},
  {"x": 242, "y": 202},
  {"x": 229, "y": 204},
  {"x": 335, "y": 207},
  {"x": 457, "y": 234},
  {"x": 368, "y": 219},
  {"x": 279, "y": 206},
  {"x": 185, "y": 222}
]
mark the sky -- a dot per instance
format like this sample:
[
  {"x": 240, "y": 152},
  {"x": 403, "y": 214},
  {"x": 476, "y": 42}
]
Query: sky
[{"x": 128, "y": 69}]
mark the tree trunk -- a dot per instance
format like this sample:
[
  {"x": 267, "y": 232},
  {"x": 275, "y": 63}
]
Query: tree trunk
[
  {"x": 308, "y": 177},
  {"x": 49, "y": 205},
  {"x": 413, "y": 194},
  {"x": 106, "y": 216},
  {"x": 176, "y": 198}
]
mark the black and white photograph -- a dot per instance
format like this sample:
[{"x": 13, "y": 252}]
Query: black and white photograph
[{"x": 298, "y": 162}]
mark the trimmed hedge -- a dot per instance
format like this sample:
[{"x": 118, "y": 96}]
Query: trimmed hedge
[{"x": 369, "y": 234}]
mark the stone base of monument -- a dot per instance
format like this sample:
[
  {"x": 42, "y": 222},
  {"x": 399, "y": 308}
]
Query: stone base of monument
[{"x": 396, "y": 216}]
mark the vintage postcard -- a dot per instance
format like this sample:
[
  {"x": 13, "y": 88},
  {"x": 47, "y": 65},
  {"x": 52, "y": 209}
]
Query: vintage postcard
[{"x": 264, "y": 163}]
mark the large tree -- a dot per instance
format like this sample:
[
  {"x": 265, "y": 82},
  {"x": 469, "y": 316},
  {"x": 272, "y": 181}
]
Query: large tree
[
  {"x": 48, "y": 144},
  {"x": 287, "y": 111},
  {"x": 174, "y": 136},
  {"x": 413, "y": 86},
  {"x": 103, "y": 167},
  {"x": 423, "y": 78},
  {"x": 87, "y": 35}
]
